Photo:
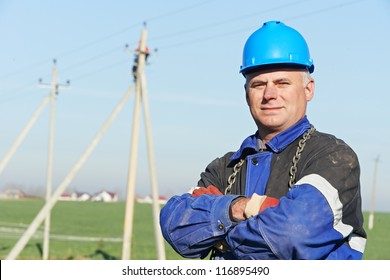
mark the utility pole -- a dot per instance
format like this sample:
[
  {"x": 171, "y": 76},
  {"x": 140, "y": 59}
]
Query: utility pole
[
  {"x": 141, "y": 95},
  {"x": 32, "y": 228},
  {"x": 23, "y": 134},
  {"x": 372, "y": 206},
  {"x": 54, "y": 87}
]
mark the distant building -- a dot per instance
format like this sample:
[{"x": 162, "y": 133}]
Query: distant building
[
  {"x": 71, "y": 197},
  {"x": 12, "y": 193},
  {"x": 149, "y": 199},
  {"x": 105, "y": 196},
  {"x": 83, "y": 196},
  {"x": 75, "y": 196}
]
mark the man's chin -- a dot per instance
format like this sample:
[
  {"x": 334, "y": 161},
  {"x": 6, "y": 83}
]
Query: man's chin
[{"x": 272, "y": 123}]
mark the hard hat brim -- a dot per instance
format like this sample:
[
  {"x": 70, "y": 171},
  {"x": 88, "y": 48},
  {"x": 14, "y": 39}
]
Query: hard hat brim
[{"x": 278, "y": 66}]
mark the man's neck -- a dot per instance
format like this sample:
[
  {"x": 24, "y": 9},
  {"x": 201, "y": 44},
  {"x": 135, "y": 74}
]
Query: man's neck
[{"x": 266, "y": 136}]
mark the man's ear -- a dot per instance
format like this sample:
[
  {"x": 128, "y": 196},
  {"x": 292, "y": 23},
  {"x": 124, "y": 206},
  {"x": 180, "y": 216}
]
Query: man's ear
[{"x": 309, "y": 90}]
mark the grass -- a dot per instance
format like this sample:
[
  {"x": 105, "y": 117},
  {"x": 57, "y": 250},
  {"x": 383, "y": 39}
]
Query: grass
[
  {"x": 81, "y": 219},
  {"x": 106, "y": 220},
  {"x": 378, "y": 239}
]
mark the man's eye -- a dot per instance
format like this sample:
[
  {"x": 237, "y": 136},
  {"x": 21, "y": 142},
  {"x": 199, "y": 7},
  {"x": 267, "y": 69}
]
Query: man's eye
[
  {"x": 257, "y": 85},
  {"x": 283, "y": 83}
]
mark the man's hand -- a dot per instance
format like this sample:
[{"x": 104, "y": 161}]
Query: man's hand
[
  {"x": 209, "y": 190},
  {"x": 245, "y": 207},
  {"x": 237, "y": 209},
  {"x": 258, "y": 203}
]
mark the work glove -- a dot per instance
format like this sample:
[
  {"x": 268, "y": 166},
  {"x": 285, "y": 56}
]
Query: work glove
[
  {"x": 209, "y": 190},
  {"x": 258, "y": 203}
]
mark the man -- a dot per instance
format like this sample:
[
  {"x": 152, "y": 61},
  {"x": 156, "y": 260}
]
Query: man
[
  {"x": 136, "y": 60},
  {"x": 289, "y": 192}
]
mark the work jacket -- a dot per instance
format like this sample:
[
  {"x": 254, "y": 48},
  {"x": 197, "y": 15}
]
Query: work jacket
[{"x": 318, "y": 217}]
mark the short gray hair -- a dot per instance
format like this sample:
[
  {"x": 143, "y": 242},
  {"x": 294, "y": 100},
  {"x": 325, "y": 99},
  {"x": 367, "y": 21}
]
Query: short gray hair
[{"x": 306, "y": 77}]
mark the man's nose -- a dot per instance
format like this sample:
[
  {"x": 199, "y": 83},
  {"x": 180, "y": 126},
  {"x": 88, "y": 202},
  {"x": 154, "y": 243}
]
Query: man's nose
[{"x": 270, "y": 92}]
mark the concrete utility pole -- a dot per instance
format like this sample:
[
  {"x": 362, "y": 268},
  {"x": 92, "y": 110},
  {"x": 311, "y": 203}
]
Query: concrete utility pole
[
  {"x": 32, "y": 228},
  {"x": 141, "y": 95},
  {"x": 372, "y": 206},
  {"x": 23, "y": 134},
  {"x": 54, "y": 87}
]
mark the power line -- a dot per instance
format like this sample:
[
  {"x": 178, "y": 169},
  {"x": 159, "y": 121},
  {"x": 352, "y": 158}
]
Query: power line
[
  {"x": 15, "y": 92},
  {"x": 173, "y": 45},
  {"x": 93, "y": 58},
  {"x": 105, "y": 38},
  {"x": 179, "y": 10},
  {"x": 216, "y": 36},
  {"x": 337, "y": 6},
  {"x": 100, "y": 70},
  {"x": 230, "y": 20}
]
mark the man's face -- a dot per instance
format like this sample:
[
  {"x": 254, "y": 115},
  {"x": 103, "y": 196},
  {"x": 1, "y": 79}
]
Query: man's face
[{"x": 277, "y": 99}]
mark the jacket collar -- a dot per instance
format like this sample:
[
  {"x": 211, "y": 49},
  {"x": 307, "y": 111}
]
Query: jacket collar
[{"x": 278, "y": 142}]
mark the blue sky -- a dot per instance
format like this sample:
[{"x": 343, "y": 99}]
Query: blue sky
[{"x": 196, "y": 95}]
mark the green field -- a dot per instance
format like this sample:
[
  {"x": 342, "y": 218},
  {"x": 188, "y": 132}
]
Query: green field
[{"x": 90, "y": 230}]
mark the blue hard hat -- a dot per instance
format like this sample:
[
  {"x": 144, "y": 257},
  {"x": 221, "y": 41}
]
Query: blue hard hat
[{"x": 275, "y": 44}]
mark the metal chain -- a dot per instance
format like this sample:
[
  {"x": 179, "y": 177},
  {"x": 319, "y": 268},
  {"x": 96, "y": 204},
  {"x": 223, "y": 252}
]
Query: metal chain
[
  {"x": 232, "y": 177},
  {"x": 297, "y": 156},
  {"x": 293, "y": 169}
]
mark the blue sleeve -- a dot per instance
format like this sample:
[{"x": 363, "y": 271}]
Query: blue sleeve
[
  {"x": 193, "y": 225},
  {"x": 307, "y": 224}
]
